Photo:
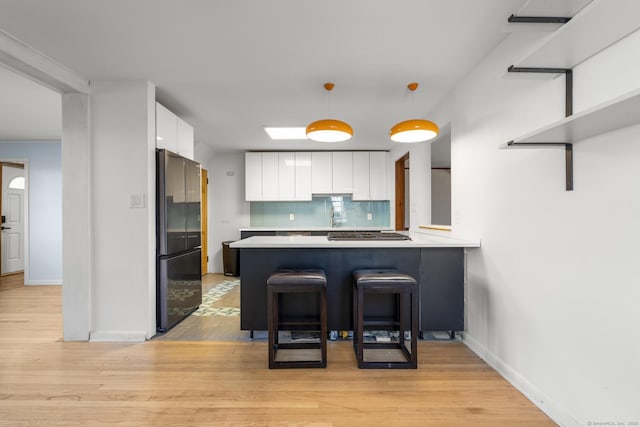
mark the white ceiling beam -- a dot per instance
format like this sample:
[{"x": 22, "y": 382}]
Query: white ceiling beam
[{"x": 29, "y": 62}]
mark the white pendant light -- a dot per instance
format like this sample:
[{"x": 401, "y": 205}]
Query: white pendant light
[
  {"x": 414, "y": 130},
  {"x": 329, "y": 130}
]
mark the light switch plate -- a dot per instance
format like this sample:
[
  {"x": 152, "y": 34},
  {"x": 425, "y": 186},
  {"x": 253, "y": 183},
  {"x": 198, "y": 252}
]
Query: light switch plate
[
  {"x": 369, "y": 216},
  {"x": 136, "y": 201},
  {"x": 292, "y": 217}
]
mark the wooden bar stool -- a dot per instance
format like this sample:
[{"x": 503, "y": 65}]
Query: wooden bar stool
[
  {"x": 292, "y": 282},
  {"x": 404, "y": 289}
]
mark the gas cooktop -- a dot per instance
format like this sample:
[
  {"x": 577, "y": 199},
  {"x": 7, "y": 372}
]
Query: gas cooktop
[{"x": 365, "y": 235}]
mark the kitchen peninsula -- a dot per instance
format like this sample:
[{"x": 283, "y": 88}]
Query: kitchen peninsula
[{"x": 436, "y": 261}]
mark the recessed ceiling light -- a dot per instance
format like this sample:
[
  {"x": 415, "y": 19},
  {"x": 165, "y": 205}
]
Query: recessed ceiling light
[
  {"x": 286, "y": 132},
  {"x": 159, "y": 138}
]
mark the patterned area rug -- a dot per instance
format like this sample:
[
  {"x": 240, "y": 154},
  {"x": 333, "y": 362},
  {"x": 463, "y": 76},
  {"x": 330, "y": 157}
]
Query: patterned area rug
[{"x": 207, "y": 308}]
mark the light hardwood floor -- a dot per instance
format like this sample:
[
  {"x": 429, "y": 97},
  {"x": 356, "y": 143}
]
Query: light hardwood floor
[
  {"x": 216, "y": 328},
  {"x": 11, "y": 281},
  {"x": 47, "y": 382}
]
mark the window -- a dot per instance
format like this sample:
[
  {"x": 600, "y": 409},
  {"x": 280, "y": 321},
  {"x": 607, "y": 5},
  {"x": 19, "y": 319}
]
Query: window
[{"x": 17, "y": 183}]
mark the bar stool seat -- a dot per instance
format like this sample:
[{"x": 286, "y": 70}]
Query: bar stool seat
[
  {"x": 288, "y": 281},
  {"x": 404, "y": 288}
]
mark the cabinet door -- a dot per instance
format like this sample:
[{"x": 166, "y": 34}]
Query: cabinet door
[
  {"x": 361, "y": 175},
  {"x": 166, "y": 129},
  {"x": 303, "y": 176},
  {"x": 342, "y": 172},
  {"x": 253, "y": 177},
  {"x": 379, "y": 176},
  {"x": 270, "y": 176},
  {"x": 286, "y": 176},
  {"x": 321, "y": 173},
  {"x": 185, "y": 139}
]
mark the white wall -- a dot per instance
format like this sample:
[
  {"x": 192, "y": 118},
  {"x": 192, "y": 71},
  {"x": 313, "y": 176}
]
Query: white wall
[
  {"x": 77, "y": 233},
  {"x": 419, "y": 182},
  {"x": 45, "y": 207},
  {"x": 441, "y": 196},
  {"x": 552, "y": 295},
  {"x": 123, "y": 163},
  {"x": 228, "y": 212}
]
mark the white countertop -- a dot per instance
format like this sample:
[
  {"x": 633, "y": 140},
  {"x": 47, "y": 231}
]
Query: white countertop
[
  {"x": 315, "y": 228},
  {"x": 419, "y": 240}
]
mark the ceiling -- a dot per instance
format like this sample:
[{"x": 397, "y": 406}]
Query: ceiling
[
  {"x": 28, "y": 110},
  {"x": 229, "y": 67}
]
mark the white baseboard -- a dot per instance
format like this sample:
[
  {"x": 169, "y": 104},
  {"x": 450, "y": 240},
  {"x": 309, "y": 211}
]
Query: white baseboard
[
  {"x": 556, "y": 412},
  {"x": 118, "y": 336},
  {"x": 43, "y": 282}
]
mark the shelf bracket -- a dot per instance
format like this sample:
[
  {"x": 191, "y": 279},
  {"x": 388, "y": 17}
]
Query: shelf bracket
[
  {"x": 568, "y": 85},
  {"x": 568, "y": 95},
  {"x": 539, "y": 19},
  {"x": 568, "y": 156}
]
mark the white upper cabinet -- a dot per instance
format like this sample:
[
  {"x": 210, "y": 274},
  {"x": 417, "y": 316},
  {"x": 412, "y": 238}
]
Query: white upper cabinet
[
  {"x": 173, "y": 133},
  {"x": 361, "y": 188},
  {"x": 286, "y": 176},
  {"x": 185, "y": 139},
  {"x": 378, "y": 175},
  {"x": 370, "y": 176},
  {"x": 252, "y": 177},
  {"x": 321, "y": 172},
  {"x": 289, "y": 176},
  {"x": 166, "y": 129},
  {"x": 303, "y": 176},
  {"x": 270, "y": 172},
  {"x": 282, "y": 176},
  {"x": 342, "y": 172}
]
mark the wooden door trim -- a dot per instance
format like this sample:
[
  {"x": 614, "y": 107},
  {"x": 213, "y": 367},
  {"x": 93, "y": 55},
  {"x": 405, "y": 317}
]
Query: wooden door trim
[
  {"x": 204, "y": 222},
  {"x": 1, "y": 193},
  {"x": 400, "y": 192}
]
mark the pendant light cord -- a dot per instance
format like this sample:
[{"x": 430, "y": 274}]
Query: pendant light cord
[
  {"x": 328, "y": 86},
  {"x": 328, "y": 103},
  {"x": 412, "y": 87}
]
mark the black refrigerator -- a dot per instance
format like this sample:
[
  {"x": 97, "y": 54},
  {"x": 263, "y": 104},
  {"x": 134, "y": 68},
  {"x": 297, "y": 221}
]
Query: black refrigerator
[{"x": 178, "y": 260}]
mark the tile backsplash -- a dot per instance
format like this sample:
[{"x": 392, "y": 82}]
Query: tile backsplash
[{"x": 317, "y": 213}]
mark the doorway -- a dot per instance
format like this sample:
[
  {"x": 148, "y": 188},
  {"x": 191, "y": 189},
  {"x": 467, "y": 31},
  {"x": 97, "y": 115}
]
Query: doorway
[
  {"x": 402, "y": 193},
  {"x": 441, "y": 178},
  {"x": 13, "y": 202}
]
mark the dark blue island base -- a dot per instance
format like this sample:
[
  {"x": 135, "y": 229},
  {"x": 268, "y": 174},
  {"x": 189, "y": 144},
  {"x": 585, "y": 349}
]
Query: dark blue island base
[{"x": 439, "y": 271}]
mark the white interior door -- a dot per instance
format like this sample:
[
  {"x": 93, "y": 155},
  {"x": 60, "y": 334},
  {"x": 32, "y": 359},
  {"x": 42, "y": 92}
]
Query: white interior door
[{"x": 13, "y": 219}]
